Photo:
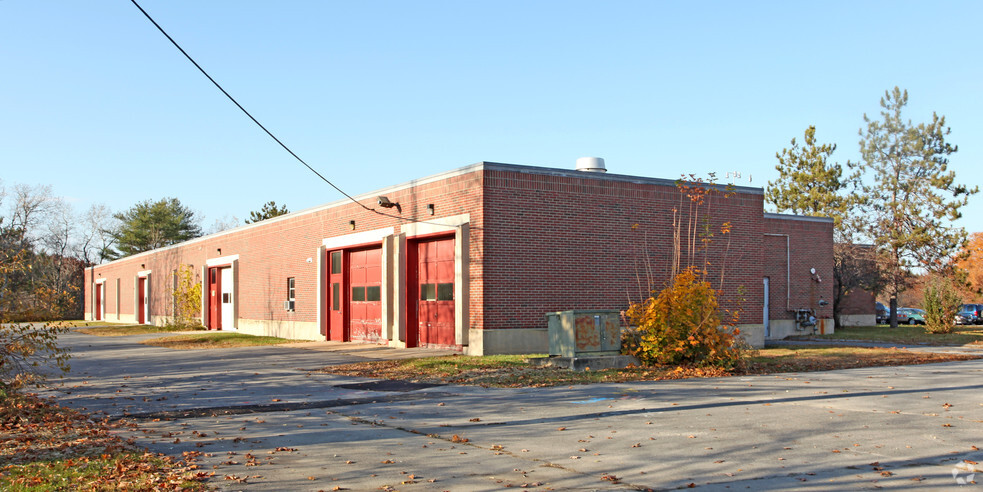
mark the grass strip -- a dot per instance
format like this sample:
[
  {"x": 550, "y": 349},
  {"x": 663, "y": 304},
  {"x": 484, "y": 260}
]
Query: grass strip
[
  {"x": 513, "y": 371},
  {"x": 214, "y": 340},
  {"x": 904, "y": 335}
]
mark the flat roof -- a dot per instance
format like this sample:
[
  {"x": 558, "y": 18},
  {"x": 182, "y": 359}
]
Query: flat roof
[{"x": 804, "y": 218}]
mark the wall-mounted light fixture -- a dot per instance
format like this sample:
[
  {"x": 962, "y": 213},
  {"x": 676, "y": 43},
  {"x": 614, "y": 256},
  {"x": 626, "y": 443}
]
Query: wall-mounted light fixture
[
  {"x": 351, "y": 224},
  {"x": 430, "y": 209},
  {"x": 143, "y": 266},
  {"x": 384, "y": 202},
  {"x": 219, "y": 250}
]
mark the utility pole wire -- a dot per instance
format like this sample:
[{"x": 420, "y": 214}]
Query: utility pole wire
[{"x": 202, "y": 70}]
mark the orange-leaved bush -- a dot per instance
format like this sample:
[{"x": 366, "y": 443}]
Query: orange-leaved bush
[{"x": 682, "y": 325}]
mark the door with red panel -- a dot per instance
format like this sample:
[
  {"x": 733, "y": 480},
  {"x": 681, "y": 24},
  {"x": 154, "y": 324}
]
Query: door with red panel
[
  {"x": 98, "y": 293},
  {"x": 435, "y": 291},
  {"x": 141, "y": 300},
  {"x": 214, "y": 299},
  {"x": 365, "y": 288},
  {"x": 336, "y": 296}
]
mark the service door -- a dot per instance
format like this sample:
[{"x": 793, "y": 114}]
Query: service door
[
  {"x": 365, "y": 301},
  {"x": 142, "y": 300},
  {"x": 435, "y": 280},
  {"x": 767, "y": 307},
  {"x": 228, "y": 299},
  {"x": 99, "y": 302},
  {"x": 214, "y": 299},
  {"x": 336, "y": 296}
]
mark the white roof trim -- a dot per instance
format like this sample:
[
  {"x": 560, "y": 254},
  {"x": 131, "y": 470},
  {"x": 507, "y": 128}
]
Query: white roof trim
[
  {"x": 222, "y": 260},
  {"x": 373, "y": 236}
]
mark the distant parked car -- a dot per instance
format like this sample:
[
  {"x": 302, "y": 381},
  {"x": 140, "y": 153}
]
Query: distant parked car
[
  {"x": 881, "y": 314},
  {"x": 976, "y": 310},
  {"x": 914, "y": 316},
  {"x": 966, "y": 316}
]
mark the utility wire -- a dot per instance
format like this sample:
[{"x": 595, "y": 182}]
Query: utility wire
[{"x": 202, "y": 70}]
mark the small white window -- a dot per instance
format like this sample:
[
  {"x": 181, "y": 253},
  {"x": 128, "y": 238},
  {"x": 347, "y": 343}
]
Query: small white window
[{"x": 291, "y": 294}]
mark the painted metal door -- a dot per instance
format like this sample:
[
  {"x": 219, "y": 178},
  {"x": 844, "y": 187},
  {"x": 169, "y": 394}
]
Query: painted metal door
[
  {"x": 336, "y": 296},
  {"x": 214, "y": 299},
  {"x": 142, "y": 300},
  {"x": 767, "y": 307},
  {"x": 435, "y": 284},
  {"x": 365, "y": 289},
  {"x": 99, "y": 301},
  {"x": 228, "y": 299}
]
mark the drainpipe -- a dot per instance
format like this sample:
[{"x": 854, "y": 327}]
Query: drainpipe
[{"x": 788, "y": 271}]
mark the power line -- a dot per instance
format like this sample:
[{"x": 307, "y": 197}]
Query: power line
[{"x": 202, "y": 70}]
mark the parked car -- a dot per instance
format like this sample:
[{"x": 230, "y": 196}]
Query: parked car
[
  {"x": 972, "y": 307},
  {"x": 881, "y": 314},
  {"x": 966, "y": 316},
  {"x": 976, "y": 310},
  {"x": 914, "y": 316}
]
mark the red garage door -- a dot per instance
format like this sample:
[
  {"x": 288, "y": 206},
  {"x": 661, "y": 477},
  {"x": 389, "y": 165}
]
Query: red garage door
[
  {"x": 365, "y": 303},
  {"x": 435, "y": 296}
]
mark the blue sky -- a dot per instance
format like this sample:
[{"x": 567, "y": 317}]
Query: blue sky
[{"x": 98, "y": 104}]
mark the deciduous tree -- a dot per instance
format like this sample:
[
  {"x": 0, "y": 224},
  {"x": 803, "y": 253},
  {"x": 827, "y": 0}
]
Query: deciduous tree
[{"x": 970, "y": 263}]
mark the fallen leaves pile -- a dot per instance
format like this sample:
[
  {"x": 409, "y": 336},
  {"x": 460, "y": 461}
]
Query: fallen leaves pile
[{"x": 46, "y": 445}]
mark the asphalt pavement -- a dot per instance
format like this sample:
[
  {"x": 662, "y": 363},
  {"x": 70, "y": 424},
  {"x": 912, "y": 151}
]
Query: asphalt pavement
[{"x": 260, "y": 419}]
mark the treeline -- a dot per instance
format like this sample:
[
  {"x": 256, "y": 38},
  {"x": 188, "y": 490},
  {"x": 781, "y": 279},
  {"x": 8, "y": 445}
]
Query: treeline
[{"x": 44, "y": 247}]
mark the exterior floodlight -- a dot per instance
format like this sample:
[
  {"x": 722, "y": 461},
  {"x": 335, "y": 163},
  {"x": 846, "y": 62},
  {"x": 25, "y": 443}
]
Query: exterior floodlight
[{"x": 385, "y": 203}]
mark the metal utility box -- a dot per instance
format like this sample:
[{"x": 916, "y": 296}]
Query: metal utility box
[{"x": 580, "y": 333}]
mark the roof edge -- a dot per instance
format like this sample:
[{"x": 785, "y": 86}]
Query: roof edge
[{"x": 804, "y": 218}]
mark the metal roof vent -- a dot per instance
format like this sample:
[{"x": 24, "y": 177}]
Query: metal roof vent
[{"x": 591, "y": 165}]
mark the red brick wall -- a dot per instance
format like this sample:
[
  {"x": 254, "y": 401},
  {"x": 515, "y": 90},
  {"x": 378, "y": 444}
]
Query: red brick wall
[
  {"x": 810, "y": 243},
  {"x": 273, "y": 250},
  {"x": 560, "y": 241},
  {"x": 858, "y": 301},
  {"x": 541, "y": 240}
]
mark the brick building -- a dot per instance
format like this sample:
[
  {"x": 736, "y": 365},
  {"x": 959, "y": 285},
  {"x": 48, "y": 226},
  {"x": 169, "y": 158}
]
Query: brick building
[{"x": 473, "y": 259}]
